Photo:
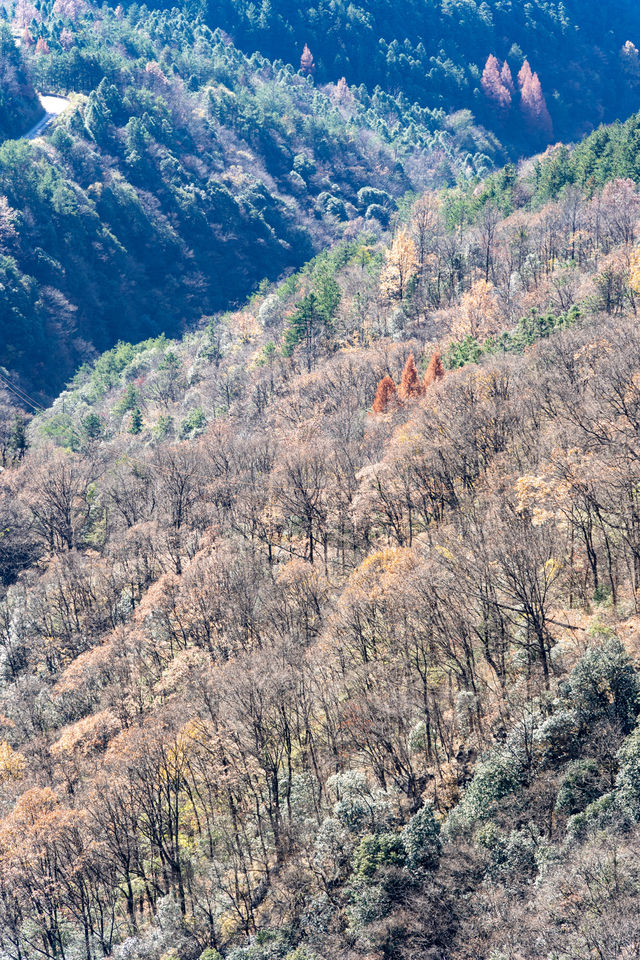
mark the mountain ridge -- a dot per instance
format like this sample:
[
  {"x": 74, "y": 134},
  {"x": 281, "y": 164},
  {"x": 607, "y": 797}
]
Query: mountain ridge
[{"x": 319, "y": 631}]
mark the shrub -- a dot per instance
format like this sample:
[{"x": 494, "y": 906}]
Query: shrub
[
  {"x": 378, "y": 850},
  {"x": 421, "y": 840},
  {"x": 370, "y": 195},
  {"x": 377, "y": 212},
  {"x": 193, "y": 424},
  {"x": 604, "y": 686},
  {"x": 497, "y": 776},
  {"x": 581, "y": 785}
]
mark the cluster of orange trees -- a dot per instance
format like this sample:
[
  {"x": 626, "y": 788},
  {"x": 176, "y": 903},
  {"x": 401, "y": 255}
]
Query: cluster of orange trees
[{"x": 410, "y": 387}]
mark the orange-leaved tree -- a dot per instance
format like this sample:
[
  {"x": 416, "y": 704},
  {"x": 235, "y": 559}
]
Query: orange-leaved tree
[
  {"x": 435, "y": 371},
  {"x": 410, "y": 387},
  {"x": 386, "y": 394}
]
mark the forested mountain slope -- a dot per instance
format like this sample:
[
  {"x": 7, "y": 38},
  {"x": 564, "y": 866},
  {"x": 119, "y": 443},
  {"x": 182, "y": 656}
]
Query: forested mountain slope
[
  {"x": 435, "y": 52},
  {"x": 320, "y": 588},
  {"x": 319, "y": 626},
  {"x": 19, "y": 106},
  {"x": 197, "y": 171},
  {"x": 185, "y": 174}
]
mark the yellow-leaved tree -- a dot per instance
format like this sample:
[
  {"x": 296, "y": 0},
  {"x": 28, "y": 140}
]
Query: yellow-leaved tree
[
  {"x": 634, "y": 270},
  {"x": 479, "y": 310},
  {"x": 12, "y": 763},
  {"x": 401, "y": 264}
]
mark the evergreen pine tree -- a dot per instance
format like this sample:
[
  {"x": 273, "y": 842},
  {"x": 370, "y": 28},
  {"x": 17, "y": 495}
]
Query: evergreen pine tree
[
  {"x": 312, "y": 319},
  {"x": 92, "y": 426},
  {"x": 136, "y": 422},
  {"x": 18, "y": 441}
]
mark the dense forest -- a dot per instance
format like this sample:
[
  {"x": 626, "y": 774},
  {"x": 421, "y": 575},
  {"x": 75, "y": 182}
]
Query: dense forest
[
  {"x": 198, "y": 171},
  {"x": 434, "y": 51},
  {"x": 319, "y": 628},
  {"x": 19, "y": 106},
  {"x": 181, "y": 178},
  {"x": 319, "y": 483}
]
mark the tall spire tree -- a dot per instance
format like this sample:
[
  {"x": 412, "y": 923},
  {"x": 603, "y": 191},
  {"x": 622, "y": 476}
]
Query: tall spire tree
[
  {"x": 524, "y": 74},
  {"x": 386, "y": 395},
  {"x": 307, "y": 64},
  {"x": 410, "y": 387},
  {"x": 493, "y": 84},
  {"x": 507, "y": 77},
  {"x": 534, "y": 106},
  {"x": 435, "y": 371}
]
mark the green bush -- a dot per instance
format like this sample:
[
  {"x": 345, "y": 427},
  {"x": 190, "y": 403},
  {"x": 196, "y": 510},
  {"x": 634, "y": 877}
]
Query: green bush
[
  {"x": 370, "y": 195},
  {"x": 580, "y": 786},
  {"x": 193, "y": 424},
  {"x": 378, "y": 850},
  {"x": 604, "y": 686},
  {"x": 421, "y": 840},
  {"x": 376, "y": 211}
]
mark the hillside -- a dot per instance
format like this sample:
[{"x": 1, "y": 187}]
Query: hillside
[
  {"x": 205, "y": 155},
  {"x": 183, "y": 178},
  {"x": 19, "y": 106},
  {"x": 319, "y": 626},
  {"x": 435, "y": 52},
  {"x": 320, "y": 481}
]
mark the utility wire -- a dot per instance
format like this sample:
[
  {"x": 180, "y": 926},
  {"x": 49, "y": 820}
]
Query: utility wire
[{"x": 19, "y": 393}]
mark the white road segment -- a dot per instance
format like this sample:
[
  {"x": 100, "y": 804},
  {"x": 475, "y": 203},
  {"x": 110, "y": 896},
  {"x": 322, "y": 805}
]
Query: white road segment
[{"x": 53, "y": 107}]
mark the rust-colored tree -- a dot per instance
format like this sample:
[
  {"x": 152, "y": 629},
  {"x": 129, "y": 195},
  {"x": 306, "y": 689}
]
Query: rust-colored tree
[
  {"x": 386, "y": 394},
  {"x": 410, "y": 387},
  {"x": 435, "y": 371},
  {"x": 494, "y": 87},
  {"x": 307, "y": 64},
  {"x": 524, "y": 74},
  {"x": 532, "y": 102},
  {"x": 507, "y": 78}
]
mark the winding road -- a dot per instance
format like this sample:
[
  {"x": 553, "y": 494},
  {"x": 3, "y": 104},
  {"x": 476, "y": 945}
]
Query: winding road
[{"x": 53, "y": 107}]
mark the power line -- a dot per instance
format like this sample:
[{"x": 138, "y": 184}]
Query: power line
[{"x": 19, "y": 393}]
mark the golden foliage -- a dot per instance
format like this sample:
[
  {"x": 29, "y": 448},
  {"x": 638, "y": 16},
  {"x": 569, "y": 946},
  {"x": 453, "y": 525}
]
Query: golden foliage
[
  {"x": 634, "y": 270},
  {"x": 400, "y": 266},
  {"x": 539, "y": 497},
  {"x": 12, "y": 763},
  {"x": 87, "y": 735},
  {"x": 478, "y": 313}
]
